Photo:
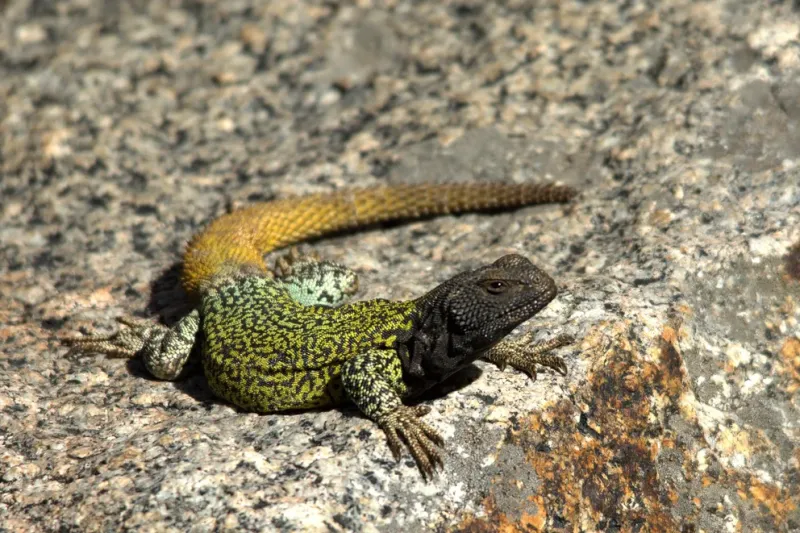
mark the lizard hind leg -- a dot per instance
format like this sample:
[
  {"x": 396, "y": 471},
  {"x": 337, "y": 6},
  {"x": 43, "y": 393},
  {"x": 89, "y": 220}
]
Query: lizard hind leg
[
  {"x": 164, "y": 350},
  {"x": 313, "y": 281}
]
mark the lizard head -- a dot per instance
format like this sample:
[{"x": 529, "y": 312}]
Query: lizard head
[
  {"x": 487, "y": 303},
  {"x": 473, "y": 311}
]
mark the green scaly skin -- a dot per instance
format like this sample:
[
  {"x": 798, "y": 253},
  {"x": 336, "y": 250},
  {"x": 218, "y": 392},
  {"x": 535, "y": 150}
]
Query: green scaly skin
[{"x": 258, "y": 353}]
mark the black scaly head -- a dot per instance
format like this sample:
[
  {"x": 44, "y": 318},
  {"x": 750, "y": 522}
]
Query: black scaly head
[{"x": 465, "y": 316}]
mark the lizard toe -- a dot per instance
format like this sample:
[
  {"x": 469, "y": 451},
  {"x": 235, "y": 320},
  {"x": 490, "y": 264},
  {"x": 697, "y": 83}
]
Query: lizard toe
[
  {"x": 126, "y": 343},
  {"x": 556, "y": 363},
  {"x": 394, "y": 442},
  {"x": 118, "y": 345},
  {"x": 565, "y": 339},
  {"x": 420, "y": 410}
]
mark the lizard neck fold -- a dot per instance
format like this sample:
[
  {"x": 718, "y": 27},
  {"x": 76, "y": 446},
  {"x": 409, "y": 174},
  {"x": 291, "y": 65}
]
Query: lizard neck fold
[{"x": 438, "y": 346}]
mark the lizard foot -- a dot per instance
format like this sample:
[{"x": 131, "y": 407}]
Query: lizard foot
[
  {"x": 421, "y": 439},
  {"x": 524, "y": 356},
  {"x": 125, "y": 343},
  {"x": 164, "y": 350},
  {"x": 284, "y": 265}
]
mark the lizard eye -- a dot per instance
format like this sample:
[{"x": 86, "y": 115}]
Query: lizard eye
[{"x": 495, "y": 286}]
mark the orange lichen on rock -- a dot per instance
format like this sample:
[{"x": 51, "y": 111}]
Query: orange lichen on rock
[
  {"x": 597, "y": 463},
  {"x": 498, "y": 522},
  {"x": 606, "y": 458},
  {"x": 603, "y": 470},
  {"x": 790, "y": 355},
  {"x": 778, "y": 501}
]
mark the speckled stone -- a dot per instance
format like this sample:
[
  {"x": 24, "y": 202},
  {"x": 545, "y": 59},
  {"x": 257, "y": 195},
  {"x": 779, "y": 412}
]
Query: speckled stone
[{"x": 125, "y": 126}]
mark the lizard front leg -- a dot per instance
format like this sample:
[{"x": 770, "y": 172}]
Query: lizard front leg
[
  {"x": 164, "y": 350},
  {"x": 524, "y": 354},
  {"x": 373, "y": 381}
]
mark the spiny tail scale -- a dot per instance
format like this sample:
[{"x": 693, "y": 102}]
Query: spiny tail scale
[{"x": 241, "y": 238}]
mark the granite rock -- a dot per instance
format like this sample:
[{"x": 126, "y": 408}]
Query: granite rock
[{"x": 125, "y": 126}]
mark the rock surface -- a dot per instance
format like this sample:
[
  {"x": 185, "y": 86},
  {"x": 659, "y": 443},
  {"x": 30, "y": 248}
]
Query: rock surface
[{"x": 125, "y": 126}]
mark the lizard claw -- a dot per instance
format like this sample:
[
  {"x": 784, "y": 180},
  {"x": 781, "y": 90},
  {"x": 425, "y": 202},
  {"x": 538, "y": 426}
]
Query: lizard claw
[{"x": 421, "y": 439}]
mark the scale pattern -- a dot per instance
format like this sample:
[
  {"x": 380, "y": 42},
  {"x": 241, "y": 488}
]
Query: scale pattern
[{"x": 265, "y": 352}]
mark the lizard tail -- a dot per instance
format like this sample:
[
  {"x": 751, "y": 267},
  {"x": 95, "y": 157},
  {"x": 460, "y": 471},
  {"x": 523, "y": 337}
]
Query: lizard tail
[{"x": 238, "y": 240}]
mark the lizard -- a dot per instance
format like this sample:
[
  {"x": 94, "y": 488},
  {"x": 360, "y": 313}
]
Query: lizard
[{"x": 287, "y": 338}]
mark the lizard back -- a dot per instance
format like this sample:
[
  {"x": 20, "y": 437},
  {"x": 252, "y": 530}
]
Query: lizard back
[{"x": 260, "y": 354}]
